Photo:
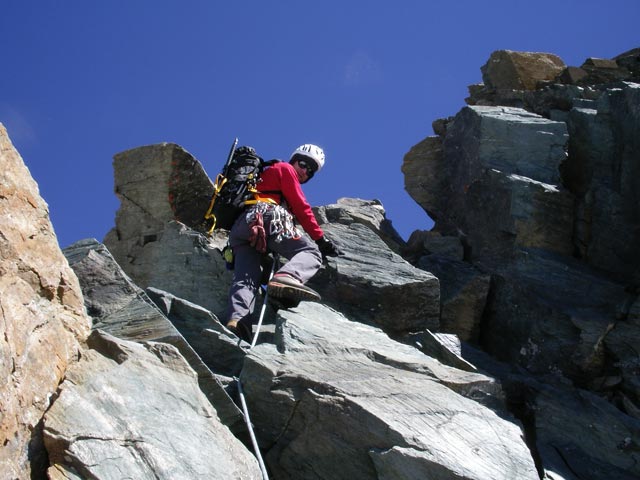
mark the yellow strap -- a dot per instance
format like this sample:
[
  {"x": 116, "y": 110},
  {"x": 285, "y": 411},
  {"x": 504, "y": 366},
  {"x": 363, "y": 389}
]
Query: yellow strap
[
  {"x": 257, "y": 198},
  {"x": 217, "y": 186}
]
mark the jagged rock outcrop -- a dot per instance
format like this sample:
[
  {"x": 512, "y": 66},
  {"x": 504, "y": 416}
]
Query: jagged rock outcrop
[
  {"x": 510, "y": 70},
  {"x": 337, "y": 399},
  {"x": 135, "y": 410},
  {"x": 162, "y": 191},
  {"x": 42, "y": 319},
  {"x": 375, "y": 285},
  {"x": 119, "y": 307},
  {"x": 602, "y": 171},
  {"x": 536, "y": 182},
  {"x": 370, "y": 213},
  {"x": 532, "y": 191}
]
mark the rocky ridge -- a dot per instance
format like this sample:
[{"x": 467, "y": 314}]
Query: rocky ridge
[{"x": 502, "y": 344}]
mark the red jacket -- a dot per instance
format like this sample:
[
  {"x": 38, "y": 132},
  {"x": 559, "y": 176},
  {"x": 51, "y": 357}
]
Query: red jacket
[{"x": 282, "y": 178}]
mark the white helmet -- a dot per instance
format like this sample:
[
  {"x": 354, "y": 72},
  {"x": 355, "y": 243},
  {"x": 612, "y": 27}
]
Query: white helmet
[{"x": 313, "y": 152}]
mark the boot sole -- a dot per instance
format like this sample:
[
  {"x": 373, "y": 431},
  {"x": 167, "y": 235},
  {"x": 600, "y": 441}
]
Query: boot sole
[{"x": 282, "y": 290}]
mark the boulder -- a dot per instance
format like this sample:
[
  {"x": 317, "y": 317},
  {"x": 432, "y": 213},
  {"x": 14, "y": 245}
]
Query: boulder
[
  {"x": 181, "y": 261},
  {"x": 370, "y": 213},
  {"x": 495, "y": 182},
  {"x": 122, "y": 309},
  {"x": 136, "y": 411},
  {"x": 509, "y": 70},
  {"x": 375, "y": 285},
  {"x": 425, "y": 174},
  {"x": 42, "y": 319},
  {"x": 510, "y": 140},
  {"x": 155, "y": 184},
  {"x": 337, "y": 399},
  {"x": 164, "y": 193}
]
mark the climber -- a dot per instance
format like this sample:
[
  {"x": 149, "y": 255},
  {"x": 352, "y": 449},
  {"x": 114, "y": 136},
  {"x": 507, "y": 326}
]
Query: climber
[{"x": 268, "y": 226}]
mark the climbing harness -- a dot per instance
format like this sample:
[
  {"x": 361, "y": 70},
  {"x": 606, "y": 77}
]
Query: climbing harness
[{"x": 281, "y": 224}]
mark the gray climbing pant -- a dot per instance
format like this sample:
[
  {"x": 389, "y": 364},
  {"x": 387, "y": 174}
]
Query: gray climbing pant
[{"x": 304, "y": 260}]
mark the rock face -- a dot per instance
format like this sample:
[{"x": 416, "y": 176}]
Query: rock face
[
  {"x": 120, "y": 308},
  {"x": 157, "y": 185},
  {"x": 375, "y": 285},
  {"x": 42, "y": 318},
  {"x": 135, "y": 410},
  {"x": 537, "y": 178},
  {"x": 355, "y": 404},
  {"x": 502, "y": 344}
]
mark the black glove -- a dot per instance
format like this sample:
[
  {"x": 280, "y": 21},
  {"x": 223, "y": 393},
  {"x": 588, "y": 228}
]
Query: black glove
[{"x": 327, "y": 247}]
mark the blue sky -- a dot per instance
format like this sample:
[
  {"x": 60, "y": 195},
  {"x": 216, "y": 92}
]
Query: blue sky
[{"x": 81, "y": 80}]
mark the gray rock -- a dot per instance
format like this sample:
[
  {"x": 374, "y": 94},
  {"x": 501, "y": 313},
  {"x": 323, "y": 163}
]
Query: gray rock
[
  {"x": 155, "y": 184},
  {"x": 425, "y": 176},
  {"x": 501, "y": 213},
  {"x": 136, "y": 411},
  {"x": 370, "y": 213},
  {"x": 463, "y": 295},
  {"x": 180, "y": 261},
  {"x": 446, "y": 348},
  {"x": 162, "y": 191},
  {"x": 623, "y": 343},
  {"x": 217, "y": 348},
  {"x": 489, "y": 185},
  {"x": 631, "y": 61},
  {"x": 603, "y": 170},
  {"x": 375, "y": 285},
  {"x": 423, "y": 243},
  {"x": 580, "y": 435},
  {"x": 540, "y": 317},
  {"x": 511, "y": 140},
  {"x": 574, "y": 433},
  {"x": 122, "y": 309},
  {"x": 347, "y": 402}
]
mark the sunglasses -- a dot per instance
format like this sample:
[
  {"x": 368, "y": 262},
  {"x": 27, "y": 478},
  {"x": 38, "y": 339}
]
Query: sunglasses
[{"x": 310, "y": 167}]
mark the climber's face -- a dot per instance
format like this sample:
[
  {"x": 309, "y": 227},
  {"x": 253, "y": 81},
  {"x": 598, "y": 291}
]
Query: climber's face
[{"x": 304, "y": 169}]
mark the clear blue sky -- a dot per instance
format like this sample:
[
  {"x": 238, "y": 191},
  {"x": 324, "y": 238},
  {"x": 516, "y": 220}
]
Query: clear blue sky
[{"x": 81, "y": 80}]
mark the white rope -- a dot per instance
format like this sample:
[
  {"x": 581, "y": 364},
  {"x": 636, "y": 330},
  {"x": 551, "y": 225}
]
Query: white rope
[
  {"x": 247, "y": 420},
  {"x": 264, "y": 306},
  {"x": 245, "y": 409}
]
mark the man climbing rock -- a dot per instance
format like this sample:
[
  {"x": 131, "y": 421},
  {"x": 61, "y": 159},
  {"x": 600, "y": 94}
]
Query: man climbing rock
[{"x": 268, "y": 226}]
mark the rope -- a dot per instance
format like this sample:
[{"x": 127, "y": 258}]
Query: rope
[
  {"x": 245, "y": 409},
  {"x": 264, "y": 306},
  {"x": 247, "y": 420}
]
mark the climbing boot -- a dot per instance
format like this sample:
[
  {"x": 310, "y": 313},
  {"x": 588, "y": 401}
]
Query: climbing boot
[
  {"x": 283, "y": 286},
  {"x": 241, "y": 329}
]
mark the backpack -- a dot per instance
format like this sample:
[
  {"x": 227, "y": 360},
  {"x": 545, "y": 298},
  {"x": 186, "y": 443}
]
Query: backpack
[{"x": 235, "y": 186}]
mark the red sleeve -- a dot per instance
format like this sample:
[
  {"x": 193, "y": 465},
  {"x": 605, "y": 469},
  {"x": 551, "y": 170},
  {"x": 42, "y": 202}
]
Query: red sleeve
[{"x": 300, "y": 208}]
